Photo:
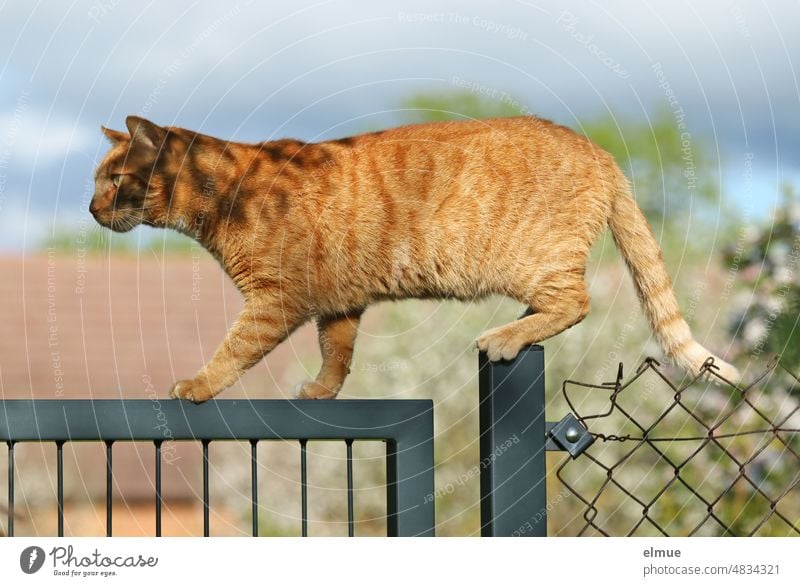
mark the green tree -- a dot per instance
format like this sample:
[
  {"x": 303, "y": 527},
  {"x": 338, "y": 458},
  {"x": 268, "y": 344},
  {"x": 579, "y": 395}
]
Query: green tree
[
  {"x": 441, "y": 106},
  {"x": 673, "y": 172}
]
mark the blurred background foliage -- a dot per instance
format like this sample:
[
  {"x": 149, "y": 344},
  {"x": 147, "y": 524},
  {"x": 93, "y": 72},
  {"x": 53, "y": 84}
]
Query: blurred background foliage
[
  {"x": 97, "y": 240},
  {"x": 767, "y": 306},
  {"x": 741, "y": 301}
]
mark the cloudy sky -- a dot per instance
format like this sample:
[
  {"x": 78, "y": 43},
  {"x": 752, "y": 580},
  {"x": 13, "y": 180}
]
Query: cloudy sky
[{"x": 256, "y": 70}]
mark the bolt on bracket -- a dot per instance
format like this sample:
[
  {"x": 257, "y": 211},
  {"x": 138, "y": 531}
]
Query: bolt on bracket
[{"x": 568, "y": 435}]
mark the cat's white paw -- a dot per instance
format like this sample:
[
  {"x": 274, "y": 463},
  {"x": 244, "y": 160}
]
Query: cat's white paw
[
  {"x": 191, "y": 390},
  {"x": 500, "y": 343},
  {"x": 313, "y": 390}
]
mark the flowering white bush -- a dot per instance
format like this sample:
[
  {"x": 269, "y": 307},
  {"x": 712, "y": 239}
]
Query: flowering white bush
[{"x": 765, "y": 259}]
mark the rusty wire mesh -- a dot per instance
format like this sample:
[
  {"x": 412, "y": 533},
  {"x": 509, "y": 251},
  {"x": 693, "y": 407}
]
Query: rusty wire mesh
[{"x": 703, "y": 458}]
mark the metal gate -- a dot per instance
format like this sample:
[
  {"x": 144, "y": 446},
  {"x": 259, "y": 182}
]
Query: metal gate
[{"x": 405, "y": 426}]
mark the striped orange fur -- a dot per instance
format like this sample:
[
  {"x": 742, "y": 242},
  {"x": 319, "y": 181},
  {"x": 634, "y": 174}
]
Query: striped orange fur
[{"x": 448, "y": 210}]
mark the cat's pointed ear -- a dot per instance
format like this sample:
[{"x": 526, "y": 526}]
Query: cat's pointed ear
[
  {"x": 114, "y": 136},
  {"x": 145, "y": 132}
]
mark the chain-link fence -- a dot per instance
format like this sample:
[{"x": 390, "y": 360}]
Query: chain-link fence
[{"x": 702, "y": 458}]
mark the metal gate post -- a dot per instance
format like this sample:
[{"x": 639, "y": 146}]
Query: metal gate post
[
  {"x": 513, "y": 444},
  {"x": 410, "y": 479}
]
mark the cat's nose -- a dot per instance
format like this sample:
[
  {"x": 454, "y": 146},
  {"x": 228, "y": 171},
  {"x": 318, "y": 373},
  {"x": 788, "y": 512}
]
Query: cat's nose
[{"x": 94, "y": 207}]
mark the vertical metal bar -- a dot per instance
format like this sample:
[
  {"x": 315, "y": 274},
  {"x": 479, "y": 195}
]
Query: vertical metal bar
[
  {"x": 512, "y": 445},
  {"x": 409, "y": 479},
  {"x": 206, "y": 522},
  {"x": 158, "y": 487},
  {"x": 10, "y": 489},
  {"x": 350, "y": 512},
  {"x": 254, "y": 483},
  {"x": 392, "y": 496},
  {"x": 109, "y": 487},
  {"x": 60, "y": 485},
  {"x": 304, "y": 486}
]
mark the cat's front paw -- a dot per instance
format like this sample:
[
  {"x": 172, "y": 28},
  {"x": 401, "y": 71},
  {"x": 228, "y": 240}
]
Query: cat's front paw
[
  {"x": 313, "y": 390},
  {"x": 500, "y": 343},
  {"x": 191, "y": 390}
]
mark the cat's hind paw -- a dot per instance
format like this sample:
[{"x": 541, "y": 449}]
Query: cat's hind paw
[
  {"x": 191, "y": 390},
  {"x": 501, "y": 343},
  {"x": 313, "y": 390}
]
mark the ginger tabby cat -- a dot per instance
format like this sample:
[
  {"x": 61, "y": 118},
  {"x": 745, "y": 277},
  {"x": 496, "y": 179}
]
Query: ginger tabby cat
[{"x": 456, "y": 210}]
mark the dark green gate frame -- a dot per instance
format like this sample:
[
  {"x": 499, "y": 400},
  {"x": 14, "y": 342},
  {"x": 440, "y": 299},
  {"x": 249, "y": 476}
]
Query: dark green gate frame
[{"x": 405, "y": 425}]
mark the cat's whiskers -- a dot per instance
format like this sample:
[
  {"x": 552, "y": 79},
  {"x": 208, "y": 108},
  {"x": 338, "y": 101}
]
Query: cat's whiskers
[
  {"x": 102, "y": 234},
  {"x": 124, "y": 219}
]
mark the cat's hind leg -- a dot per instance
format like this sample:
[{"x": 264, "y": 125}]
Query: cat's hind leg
[
  {"x": 337, "y": 335},
  {"x": 553, "y": 308}
]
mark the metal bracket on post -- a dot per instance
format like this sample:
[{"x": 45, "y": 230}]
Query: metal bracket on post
[{"x": 568, "y": 435}]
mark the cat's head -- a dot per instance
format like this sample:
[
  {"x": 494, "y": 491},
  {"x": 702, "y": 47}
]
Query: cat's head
[{"x": 133, "y": 181}]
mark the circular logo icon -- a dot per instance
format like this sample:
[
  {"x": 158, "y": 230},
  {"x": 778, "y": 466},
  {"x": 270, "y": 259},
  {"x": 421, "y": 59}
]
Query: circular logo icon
[{"x": 31, "y": 559}]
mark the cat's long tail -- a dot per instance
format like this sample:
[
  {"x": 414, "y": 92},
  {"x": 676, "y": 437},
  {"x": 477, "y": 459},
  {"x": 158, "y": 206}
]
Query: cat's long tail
[{"x": 642, "y": 254}]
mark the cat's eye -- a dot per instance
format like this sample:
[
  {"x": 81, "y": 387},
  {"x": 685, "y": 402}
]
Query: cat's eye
[{"x": 116, "y": 180}]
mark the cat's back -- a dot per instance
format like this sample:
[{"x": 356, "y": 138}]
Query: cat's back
[
  {"x": 515, "y": 130},
  {"x": 470, "y": 128},
  {"x": 462, "y": 146},
  {"x": 435, "y": 170}
]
